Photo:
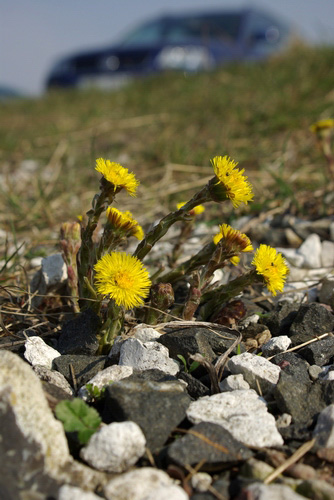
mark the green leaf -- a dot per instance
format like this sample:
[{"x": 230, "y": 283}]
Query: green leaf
[{"x": 78, "y": 417}]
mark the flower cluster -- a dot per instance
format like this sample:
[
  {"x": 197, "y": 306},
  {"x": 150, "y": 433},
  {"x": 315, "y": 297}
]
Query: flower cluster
[
  {"x": 272, "y": 267},
  {"x": 233, "y": 242},
  {"x": 230, "y": 182},
  {"x": 118, "y": 176}
]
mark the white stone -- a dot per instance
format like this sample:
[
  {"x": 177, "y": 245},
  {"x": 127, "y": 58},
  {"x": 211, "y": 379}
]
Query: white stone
[
  {"x": 115, "y": 447},
  {"x": 276, "y": 345},
  {"x": 233, "y": 382},
  {"x": 292, "y": 255},
  {"x": 242, "y": 412},
  {"x": 201, "y": 481},
  {"x": 284, "y": 420},
  {"x": 37, "y": 352},
  {"x": 260, "y": 491},
  {"x": 171, "y": 492},
  {"x": 53, "y": 377},
  {"x": 256, "y": 370},
  {"x": 327, "y": 253},
  {"x": 324, "y": 429},
  {"x": 52, "y": 274},
  {"x": 253, "y": 319},
  {"x": 104, "y": 378},
  {"x": 311, "y": 251},
  {"x": 67, "y": 492},
  {"x": 147, "y": 355},
  {"x": 145, "y": 333},
  {"x": 137, "y": 484}
]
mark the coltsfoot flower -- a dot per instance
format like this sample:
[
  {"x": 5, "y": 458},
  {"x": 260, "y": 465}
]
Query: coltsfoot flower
[
  {"x": 230, "y": 182},
  {"x": 123, "y": 278},
  {"x": 272, "y": 267},
  {"x": 117, "y": 175},
  {"x": 195, "y": 211},
  {"x": 321, "y": 125},
  {"x": 234, "y": 242},
  {"x": 125, "y": 222}
]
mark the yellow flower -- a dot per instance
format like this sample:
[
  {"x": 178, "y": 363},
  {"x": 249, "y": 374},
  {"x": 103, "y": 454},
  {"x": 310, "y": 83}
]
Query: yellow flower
[
  {"x": 231, "y": 183},
  {"x": 322, "y": 125},
  {"x": 125, "y": 222},
  {"x": 117, "y": 175},
  {"x": 234, "y": 241},
  {"x": 195, "y": 211},
  {"x": 122, "y": 277},
  {"x": 272, "y": 266}
]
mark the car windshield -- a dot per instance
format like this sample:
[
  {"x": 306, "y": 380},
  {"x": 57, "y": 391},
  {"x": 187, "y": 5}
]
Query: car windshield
[{"x": 182, "y": 30}]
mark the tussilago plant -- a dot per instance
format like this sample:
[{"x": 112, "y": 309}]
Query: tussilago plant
[
  {"x": 111, "y": 282},
  {"x": 324, "y": 132}
]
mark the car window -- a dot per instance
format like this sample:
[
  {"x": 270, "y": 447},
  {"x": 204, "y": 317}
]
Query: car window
[
  {"x": 145, "y": 34},
  {"x": 222, "y": 27},
  {"x": 262, "y": 32}
]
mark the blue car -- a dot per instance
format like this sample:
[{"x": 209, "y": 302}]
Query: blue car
[{"x": 188, "y": 42}]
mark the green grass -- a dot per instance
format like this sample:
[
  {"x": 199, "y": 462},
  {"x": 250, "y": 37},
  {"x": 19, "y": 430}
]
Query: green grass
[{"x": 258, "y": 114}]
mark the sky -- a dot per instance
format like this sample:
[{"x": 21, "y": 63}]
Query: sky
[{"x": 35, "y": 33}]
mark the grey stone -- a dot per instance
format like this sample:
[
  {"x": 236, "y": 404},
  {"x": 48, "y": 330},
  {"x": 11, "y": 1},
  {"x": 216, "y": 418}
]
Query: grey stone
[
  {"x": 260, "y": 491},
  {"x": 52, "y": 274},
  {"x": 311, "y": 251},
  {"x": 53, "y": 377},
  {"x": 37, "y": 352},
  {"x": 319, "y": 353},
  {"x": 281, "y": 318},
  {"x": 326, "y": 292},
  {"x": 314, "y": 372},
  {"x": 293, "y": 256},
  {"x": 144, "y": 356},
  {"x": 316, "y": 489},
  {"x": 79, "y": 335},
  {"x": 105, "y": 377},
  {"x": 243, "y": 413},
  {"x": 157, "y": 407},
  {"x": 139, "y": 484},
  {"x": 256, "y": 370},
  {"x": 276, "y": 345},
  {"x": 198, "y": 340},
  {"x": 115, "y": 447},
  {"x": 256, "y": 469},
  {"x": 33, "y": 448},
  {"x": 196, "y": 446},
  {"x": 324, "y": 429},
  {"x": 233, "y": 382},
  {"x": 195, "y": 388},
  {"x": 84, "y": 367},
  {"x": 294, "y": 365},
  {"x": 311, "y": 320}
]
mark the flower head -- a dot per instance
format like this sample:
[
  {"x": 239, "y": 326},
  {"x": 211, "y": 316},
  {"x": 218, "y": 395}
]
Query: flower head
[
  {"x": 117, "y": 175},
  {"x": 272, "y": 266},
  {"x": 195, "y": 211},
  {"x": 125, "y": 222},
  {"x": 233, "y": 241},
  {"x": 230, "y": 182},
  {"x": 322, "y": 125},
  {"x": 122, "y": 277}
]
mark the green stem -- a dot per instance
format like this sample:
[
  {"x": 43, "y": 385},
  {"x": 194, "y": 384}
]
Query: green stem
[{"x": 162, "y": 227}]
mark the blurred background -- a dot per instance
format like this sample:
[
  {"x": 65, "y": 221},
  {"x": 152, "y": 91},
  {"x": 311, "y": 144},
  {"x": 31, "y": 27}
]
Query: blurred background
[{"x": 35, "y": 33}]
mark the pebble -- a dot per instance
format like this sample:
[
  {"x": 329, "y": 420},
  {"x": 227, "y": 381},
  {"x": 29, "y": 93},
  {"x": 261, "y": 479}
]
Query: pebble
[
  {"x": 143, "y": 484},
  {"x": 67, "y": 492},
  {"x": 276, "y": 345},
  {"x": 233, "y": 382},
  {"x": 256, "y": 370},
  {"x": 326, "y": 292},
  {"x": 147, "y": 355},
  {"x": 242, "y": 412},
  {"x": 115, "y": 447},
  {"x": 54, "y": 378},
  {"x": 104, "y": 378},
  {"x": 324, "y": 429},
  {"x": 145, "y": 333},
  {"x": 260, "y": 491},
  {"x": 327, "y": 253},
  {"x": 37, "y": 352},
  {"x": 311, "y": 250},
  {"x": 53, "y": 273},
  {"x": 201, "y": 481}
]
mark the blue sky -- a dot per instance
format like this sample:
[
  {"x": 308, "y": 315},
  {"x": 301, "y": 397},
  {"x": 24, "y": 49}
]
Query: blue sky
[{"x": 34, "y": 33}]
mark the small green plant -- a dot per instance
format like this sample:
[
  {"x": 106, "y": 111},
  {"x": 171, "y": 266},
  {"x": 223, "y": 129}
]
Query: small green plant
[
  {"x": 188, "y": 368},
  {"x": 78, "y": 417},
  {"x": 94, "y": 392}
]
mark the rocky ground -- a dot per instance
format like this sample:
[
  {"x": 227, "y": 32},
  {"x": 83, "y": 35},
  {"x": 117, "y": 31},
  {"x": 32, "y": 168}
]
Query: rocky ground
[{"x": 255, "y": 419}]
